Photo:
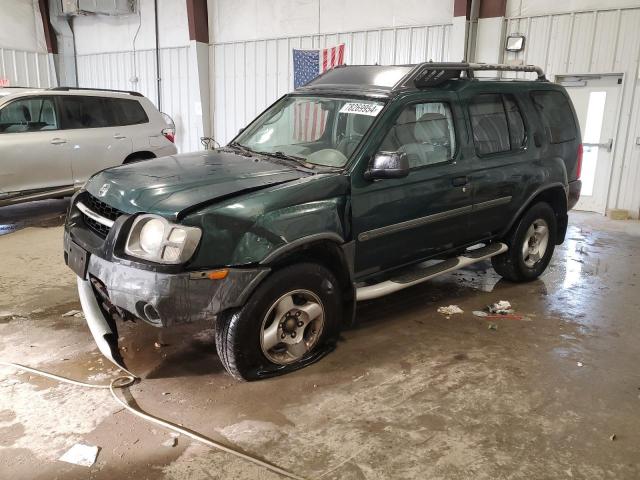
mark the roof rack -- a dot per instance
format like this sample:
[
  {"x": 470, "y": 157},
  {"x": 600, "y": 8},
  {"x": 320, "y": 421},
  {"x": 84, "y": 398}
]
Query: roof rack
[
  {"x": 67, "y": 89},
  {"x": 430, "y": 74}
]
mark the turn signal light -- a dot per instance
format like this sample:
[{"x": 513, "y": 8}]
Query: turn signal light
[{"x": 218, "y": 274}]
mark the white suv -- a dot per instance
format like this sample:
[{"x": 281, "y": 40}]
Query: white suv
[{"x": 52, "y": 141}]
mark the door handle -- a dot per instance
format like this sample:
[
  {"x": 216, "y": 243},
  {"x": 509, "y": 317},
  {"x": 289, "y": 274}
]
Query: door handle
[
  {"x": 460, "y": 181},
  {"x": 117, "y": 136},
  {"x": 606, "y": 145},
  {"x": 58, "y": 141}
]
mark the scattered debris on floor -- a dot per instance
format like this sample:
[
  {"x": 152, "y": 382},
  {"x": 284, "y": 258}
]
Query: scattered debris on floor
[
  {"x": 493, "y": 326},
  {"x": 80, "y": 454},
  {"x": 450, "y": 310},
  {"x": 502, "y": 307},
  {"x": 612, "y": 437},
  {"x": 172, "y": 441},
  {"x": 499, "y": 310},
  {"x": 159, "y": 344},
  {"x": 71, "y": 313},
  {"x": 580, "y": 364}
]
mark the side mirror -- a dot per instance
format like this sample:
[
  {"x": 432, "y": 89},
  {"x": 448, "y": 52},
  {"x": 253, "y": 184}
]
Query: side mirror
[{"x": 388, "y": 165}]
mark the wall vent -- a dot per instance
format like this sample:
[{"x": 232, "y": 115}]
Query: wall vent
[{"x": 99, "y": 7}]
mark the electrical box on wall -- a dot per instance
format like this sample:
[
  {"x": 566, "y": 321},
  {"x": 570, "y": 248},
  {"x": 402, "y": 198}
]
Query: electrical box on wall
[{"x": 99, "y": 7}]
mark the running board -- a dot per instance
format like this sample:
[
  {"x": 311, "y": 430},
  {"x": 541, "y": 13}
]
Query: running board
[
  {"x": 15, "y": 198},
  {"x": 422, "y": 274}
]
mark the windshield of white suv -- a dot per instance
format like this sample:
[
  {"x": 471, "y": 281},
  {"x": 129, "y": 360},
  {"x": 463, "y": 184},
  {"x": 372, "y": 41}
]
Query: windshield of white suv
[{"x": 315, "y": 130}]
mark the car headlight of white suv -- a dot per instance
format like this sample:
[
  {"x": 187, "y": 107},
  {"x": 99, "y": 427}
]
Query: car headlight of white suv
[{"x": 156, "y": 239}]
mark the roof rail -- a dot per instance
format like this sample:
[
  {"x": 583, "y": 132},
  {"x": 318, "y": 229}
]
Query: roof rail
[
  {"x": 430, "y": 74},
  {"x": 67, "y": 89}
]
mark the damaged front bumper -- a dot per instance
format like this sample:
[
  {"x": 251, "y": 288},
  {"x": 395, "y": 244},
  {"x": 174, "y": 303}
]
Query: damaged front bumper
[
  {"x": 110, "y": 290},
  {"x": 166, "y": 299}
]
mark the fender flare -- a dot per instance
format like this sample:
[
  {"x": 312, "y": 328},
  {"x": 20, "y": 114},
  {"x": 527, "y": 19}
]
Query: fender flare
[
  {"x": 300, "y": 242},
  {"x": 529, "y": 201},
  {"x": 347, "y": 252}
]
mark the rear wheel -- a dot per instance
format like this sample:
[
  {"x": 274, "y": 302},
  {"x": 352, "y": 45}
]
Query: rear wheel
[
  {"x": 531, "y": 245},
  {"x": 287, "y": 323}
]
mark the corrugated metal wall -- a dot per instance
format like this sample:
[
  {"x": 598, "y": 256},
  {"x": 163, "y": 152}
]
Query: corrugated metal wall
[
  {"x": 599, "y": 41},
  {"x": 26, "y": 69},
  {"x": 115, "y": 70},
  {"x": 250, "y": 75}
]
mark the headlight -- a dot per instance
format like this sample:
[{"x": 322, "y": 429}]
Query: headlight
[
  {"x": 151, "y": 236},
  {"x": 158, "y": 240}
]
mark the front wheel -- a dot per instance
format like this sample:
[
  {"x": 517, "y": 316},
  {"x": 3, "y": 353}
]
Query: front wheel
[
  {"x": 531, "y": 245},
  {"x": 288, "y": 322}
]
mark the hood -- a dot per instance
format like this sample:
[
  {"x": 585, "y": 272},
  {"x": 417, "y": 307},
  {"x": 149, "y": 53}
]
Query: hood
[{"x": 170, "y": 185}]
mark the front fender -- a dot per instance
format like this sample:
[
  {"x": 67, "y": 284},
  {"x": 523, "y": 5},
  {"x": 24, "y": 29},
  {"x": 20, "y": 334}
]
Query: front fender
[
  {"x": 249, "y": 230},
  {"x": 285, "y": 229}
]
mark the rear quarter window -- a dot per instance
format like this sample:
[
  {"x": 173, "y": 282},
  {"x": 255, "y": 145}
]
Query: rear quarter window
[
  {"x": 129, "y": 112},
  {"x": 556, "y": 115}
]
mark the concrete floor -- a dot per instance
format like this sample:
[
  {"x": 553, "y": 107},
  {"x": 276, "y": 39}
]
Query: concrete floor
[{"x": 409, "y": 393}]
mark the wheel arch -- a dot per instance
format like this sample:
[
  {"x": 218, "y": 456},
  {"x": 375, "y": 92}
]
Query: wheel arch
[
  {"x": 327, "y": 249},
  {"x": 556, "y": 196},
  {"x": 139, "y": 155}
]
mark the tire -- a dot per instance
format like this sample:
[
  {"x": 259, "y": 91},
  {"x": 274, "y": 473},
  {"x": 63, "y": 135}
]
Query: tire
[
  {"x": 300, "y": 291},
  {"x": 528, "y": 255}
]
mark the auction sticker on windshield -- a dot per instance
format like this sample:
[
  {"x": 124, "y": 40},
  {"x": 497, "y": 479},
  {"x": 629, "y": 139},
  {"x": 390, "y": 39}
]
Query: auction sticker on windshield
[{"x": 362, "y": 108}]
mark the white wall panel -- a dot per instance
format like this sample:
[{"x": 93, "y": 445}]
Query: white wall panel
[
  {"x": 584, "y": 42},
  {"x": 115, "y": 70},
  {"x": 27, "y": 69},
  {"x": 250, "y": 75},
  {"x": 243, "y": 20},
  {"x": 105, "y": 33},
  {"x": 21, "y": 26}
]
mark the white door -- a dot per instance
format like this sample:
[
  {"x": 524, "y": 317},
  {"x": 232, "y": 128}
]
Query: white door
[
  {"x": 34, "y": 152},
  {"x": 596, "y": 100},
  {"x": 96, "y": 141}
]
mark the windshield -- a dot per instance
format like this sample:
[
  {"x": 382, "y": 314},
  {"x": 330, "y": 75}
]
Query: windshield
[{"x": 317, "y": 130}]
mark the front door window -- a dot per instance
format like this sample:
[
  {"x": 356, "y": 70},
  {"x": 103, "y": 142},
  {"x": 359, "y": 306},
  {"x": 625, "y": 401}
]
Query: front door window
[
  {"x": 28, "y": 115},
  {"x": 424, "y": 131}
]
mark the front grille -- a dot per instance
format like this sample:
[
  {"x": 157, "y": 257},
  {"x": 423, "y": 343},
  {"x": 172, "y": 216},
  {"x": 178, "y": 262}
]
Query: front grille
[
  {"x": 96, "y": 227},
  {"x": 101, "y": 209}
]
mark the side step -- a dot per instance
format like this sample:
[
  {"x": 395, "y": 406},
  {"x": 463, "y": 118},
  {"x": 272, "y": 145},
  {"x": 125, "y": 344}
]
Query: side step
[
  {"x": 424, "y": 273},
  {"x": 18, "y": 197}
]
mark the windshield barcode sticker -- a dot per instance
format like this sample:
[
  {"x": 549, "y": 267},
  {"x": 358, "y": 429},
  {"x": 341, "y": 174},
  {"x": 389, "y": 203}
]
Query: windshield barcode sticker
[{"x": 361, "y": 108}]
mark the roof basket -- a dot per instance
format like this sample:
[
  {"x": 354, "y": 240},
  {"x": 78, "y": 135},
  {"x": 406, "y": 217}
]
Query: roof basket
[
  {"x": 431, "y": 74},
  {"x": 67, "y": 89}
]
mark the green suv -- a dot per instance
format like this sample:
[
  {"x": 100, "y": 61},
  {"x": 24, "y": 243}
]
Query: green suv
[{"x": 367, "y": 180}]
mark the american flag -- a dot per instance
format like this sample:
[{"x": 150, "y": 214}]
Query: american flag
[{"x": 309, "y": 118}]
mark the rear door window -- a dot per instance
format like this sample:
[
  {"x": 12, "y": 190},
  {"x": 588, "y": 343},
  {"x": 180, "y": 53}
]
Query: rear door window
[
  {"x": 497, "y": 124},
  {"x": 556, "y": 114},
  {"x": 489, "y": 124},
  {"x": 86, "y": 112},
  {"x": 31, "y": 114},
  {"x": 517, "y": 131}
]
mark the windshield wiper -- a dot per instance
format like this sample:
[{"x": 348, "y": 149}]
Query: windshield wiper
[
  {"x": 242, "y": 148},
  {"x": 300, "y": 160}
]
